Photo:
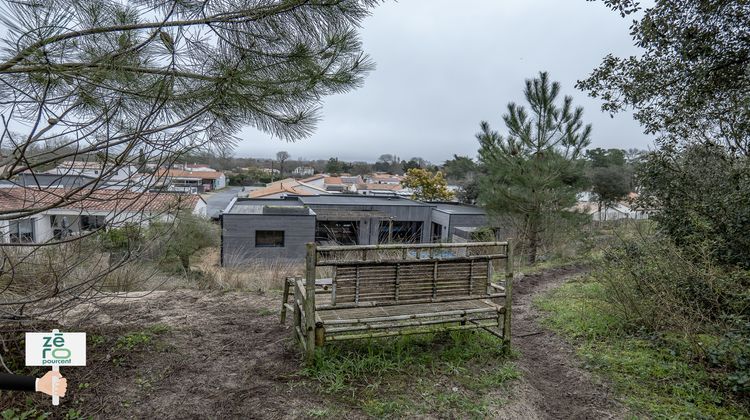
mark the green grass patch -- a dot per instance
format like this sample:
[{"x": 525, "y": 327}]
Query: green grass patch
[
  {"x": 137, "y": 339},
  {"x": 652, "y": 378},
  {"x": 445, "y": 373}
]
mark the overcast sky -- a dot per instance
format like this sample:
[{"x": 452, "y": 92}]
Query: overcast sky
[{"x": 443, "y": 66}]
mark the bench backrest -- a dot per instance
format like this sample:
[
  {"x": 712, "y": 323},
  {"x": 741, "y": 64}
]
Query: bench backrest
[
  {"x": 370, "y": 275},
  {"x": 414, "y": 280}
]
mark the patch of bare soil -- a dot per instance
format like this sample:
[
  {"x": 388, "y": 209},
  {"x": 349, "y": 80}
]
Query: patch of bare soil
[
  {"x": 206, "y": 355},
  {"x": 195, "y": 354},
  {"x": 555, "y": 385}
]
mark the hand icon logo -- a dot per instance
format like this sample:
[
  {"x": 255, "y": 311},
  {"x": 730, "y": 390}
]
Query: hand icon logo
[{"x": 45, "y": 384}]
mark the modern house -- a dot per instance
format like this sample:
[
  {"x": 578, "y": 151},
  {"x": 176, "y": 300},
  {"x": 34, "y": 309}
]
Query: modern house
[
  {"x": 280, "y": 228},
  {"x": 189, "y": 180},
  {"x": 58, "y": 213},
  {"x": 453, "y": 222}
]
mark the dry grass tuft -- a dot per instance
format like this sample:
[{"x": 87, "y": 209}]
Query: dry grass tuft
[{"x": 259, "y": 275}]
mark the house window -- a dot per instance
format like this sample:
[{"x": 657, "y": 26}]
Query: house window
[
  {"x": 92, "y": 222},
  {"x": 269, "y": 238},
  {"x": 401, "y": 232},
  {"x": 22, "y": 231}
]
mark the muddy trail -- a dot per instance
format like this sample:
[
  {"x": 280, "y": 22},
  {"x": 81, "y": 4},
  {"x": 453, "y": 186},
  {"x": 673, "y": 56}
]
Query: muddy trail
[
  {"x": 555, "y": 385},
  {"x": 194, "y": 354}
]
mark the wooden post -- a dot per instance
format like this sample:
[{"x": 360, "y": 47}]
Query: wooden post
[
  {"x": 297, "y": 316},
  {"x": 309, "y": 328},
  {"x": 333, "y": 287},
  {"x": 397, "y": 286},
  {"x": 471, "y": 277},
  {"x": 508, "y": 299},
  {"x": 285, "y": 299},
  {"x": 434, "y": 279},
  {"x": 356, "y": 285}
]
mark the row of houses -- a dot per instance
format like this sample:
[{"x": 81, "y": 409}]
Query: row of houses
[
  {"x": 378, "y": 184},
  {"x": 182, "y": 178},
  {"x": 279, "y": 228}
]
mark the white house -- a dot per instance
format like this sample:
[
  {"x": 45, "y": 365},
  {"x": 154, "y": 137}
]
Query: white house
[
  {"x": 58, "y": 213},
  {"x": 303, "y": 171},
  {"x": 617, "y": 211}
]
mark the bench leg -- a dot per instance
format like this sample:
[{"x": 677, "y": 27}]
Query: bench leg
[
  {"x": 504, "y": 319},
  {"x": 320, "y": 335}
]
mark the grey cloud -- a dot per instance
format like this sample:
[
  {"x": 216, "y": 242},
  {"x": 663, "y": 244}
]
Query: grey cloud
[{"x": 442, "y": 66}]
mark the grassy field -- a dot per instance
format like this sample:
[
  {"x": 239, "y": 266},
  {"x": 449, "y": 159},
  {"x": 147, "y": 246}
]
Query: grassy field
[
  {"x": 651, "y": 374},
  {"x": 451, "y": 375}
]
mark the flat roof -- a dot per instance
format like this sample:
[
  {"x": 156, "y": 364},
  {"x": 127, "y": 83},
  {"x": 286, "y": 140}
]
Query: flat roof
[
  {"x": 270, "y": 206},
  {"x": 360, "y": 200},
  {"x": 456, "y": 208}
]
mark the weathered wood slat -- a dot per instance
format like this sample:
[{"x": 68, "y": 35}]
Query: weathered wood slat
[
  {"x": 324, "y": 307},
  {"x": 410, "y": 316},
  {"x": 382, "y": 326},
  {"x": 410, "y": 246},
  {"x": 387, "y": 262},
  {"x": 342, "y": 337}
]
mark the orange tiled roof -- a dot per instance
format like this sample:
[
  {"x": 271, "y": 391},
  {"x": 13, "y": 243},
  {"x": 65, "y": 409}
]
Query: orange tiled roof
[
  {"x": 289, "y": 186},
  {"x": 18, "y": 199},
  {"x": 389, "y": 187},
  {"x": 333, "y": 180}
]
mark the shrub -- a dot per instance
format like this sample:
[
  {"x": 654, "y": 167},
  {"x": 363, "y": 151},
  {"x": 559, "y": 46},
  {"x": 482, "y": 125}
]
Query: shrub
[
  {"x": 182, "y": 238},
  {"x": 659, "y": 290},
  {"x": 654, "y": 285}
]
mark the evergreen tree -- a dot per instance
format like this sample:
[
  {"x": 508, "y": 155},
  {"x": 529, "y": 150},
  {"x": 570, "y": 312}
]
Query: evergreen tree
[{"x": 533, "y": 172}]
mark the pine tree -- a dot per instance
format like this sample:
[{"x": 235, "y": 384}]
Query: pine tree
[{"x": 533, "y": 172}]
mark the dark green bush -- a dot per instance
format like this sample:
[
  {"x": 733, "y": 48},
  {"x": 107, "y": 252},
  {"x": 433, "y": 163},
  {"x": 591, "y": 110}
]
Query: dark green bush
[
  {"x": 702, "y": 193},
  {"x": 732, "y": 354}
]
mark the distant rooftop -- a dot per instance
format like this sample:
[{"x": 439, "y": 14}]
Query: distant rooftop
[
  {"x": 455, "y": 208},
  {"x": 359, "y": 200}
]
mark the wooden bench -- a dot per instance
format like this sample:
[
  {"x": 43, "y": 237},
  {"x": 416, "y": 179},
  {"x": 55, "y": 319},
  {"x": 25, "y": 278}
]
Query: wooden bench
[{"x": 355, "y": 292}]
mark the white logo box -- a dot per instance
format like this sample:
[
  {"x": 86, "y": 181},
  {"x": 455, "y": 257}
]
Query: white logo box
[{"x": 56, "y": 349}]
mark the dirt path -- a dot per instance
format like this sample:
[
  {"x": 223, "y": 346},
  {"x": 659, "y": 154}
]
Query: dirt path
[
  {"x": 224, "y": 355},
  {"x": 555, "y": 384}
]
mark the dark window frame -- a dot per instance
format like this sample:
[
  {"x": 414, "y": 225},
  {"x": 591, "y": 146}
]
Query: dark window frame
[
  {"x": 14, "y": 232},
  {"x": 271, "y": 244},
  {"x": 85, "y": 222}
]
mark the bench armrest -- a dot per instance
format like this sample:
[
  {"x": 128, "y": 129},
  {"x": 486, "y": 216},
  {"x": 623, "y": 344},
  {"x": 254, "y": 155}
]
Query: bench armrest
[{"x": 497, "y": 287}]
